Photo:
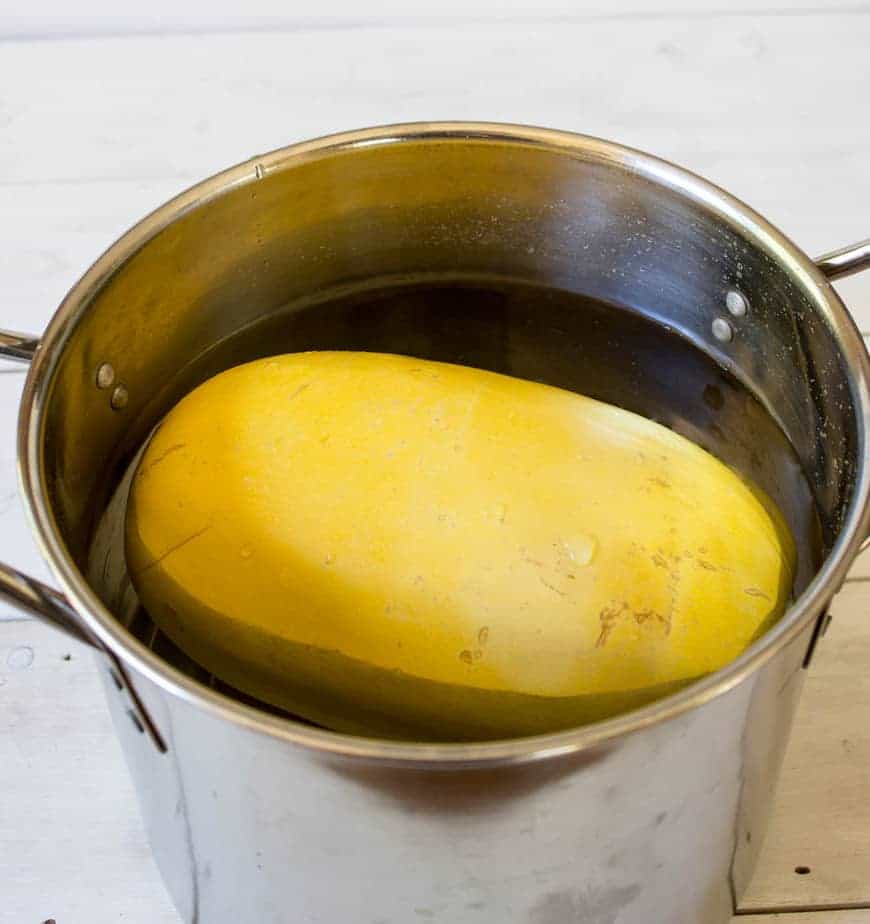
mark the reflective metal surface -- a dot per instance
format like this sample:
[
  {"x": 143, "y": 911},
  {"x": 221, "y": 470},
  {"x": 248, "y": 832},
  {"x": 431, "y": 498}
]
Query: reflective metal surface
[
  {"x": 41, "y": 601},
  {"x": 254, "y": 816},
  {"x": 660, "y": 826},
  {"x": 19, "y": 347},
  {"x": 846, "y": 261},
  {"x": 47, "y": 604}
]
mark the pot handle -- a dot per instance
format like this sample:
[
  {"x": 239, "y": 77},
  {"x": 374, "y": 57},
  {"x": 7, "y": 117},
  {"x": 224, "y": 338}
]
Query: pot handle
[
  {"x": 18, "y": 347},
  {"x": 845, "y": 261},
  {"x": 42, "y": 601},
  {"x": 45, "y": 603},
  {"x": 23, "y": 592}
]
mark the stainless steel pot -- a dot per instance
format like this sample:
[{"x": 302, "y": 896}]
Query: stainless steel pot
[{"x": 656, "y": 815}]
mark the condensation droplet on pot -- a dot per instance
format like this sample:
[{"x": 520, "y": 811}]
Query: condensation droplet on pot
[
  {"x": 105, "y": 376},
  {"x": 736, "y": 303},
  {"x": 120, "y": 397},
  {"x": 722, "y": 330}
]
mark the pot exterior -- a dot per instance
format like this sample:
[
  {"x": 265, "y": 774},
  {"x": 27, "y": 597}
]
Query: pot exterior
[
  {"x": 656, "y": 816},
  {"x": 663, "y": 824}
]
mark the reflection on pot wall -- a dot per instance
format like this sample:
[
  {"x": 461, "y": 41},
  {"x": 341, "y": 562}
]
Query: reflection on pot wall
[
  {"x": 319, "y": 226},
  {"x": 247, "y": 827}
]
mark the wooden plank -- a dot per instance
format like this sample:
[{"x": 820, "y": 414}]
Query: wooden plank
[
  {"x": 72, "y": 846},
  {"x": 809, "y": 184},
  {"x": 821, "y": 817},
  {"x": 861, "y": 569},
  {"x": 856, "y": 916},
  {"x": 102, "y": 17},
  {"x": 560, "y": 76}
]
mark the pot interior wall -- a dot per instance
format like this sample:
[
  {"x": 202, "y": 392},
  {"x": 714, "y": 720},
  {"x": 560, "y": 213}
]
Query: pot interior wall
[{"x": 544, "y": 263}]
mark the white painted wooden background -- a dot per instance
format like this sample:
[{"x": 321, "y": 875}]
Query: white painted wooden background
[{"x": 106, "y": 111}]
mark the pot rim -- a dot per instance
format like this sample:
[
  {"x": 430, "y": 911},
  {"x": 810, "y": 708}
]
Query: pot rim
[{"x": 141, "y": 659}]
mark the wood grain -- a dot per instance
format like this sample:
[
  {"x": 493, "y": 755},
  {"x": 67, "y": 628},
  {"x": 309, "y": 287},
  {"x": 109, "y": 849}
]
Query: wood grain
[
  {"x": 46, "y": 18},
  {"x": 735, "y": 101},
  {"x": 861, "y": 569},
  {"x": 821, "y": 817},
  {"x": 72, "y": 846},
  {"x": 83, "y": 157},
  {"x": 855, "y": 916}
]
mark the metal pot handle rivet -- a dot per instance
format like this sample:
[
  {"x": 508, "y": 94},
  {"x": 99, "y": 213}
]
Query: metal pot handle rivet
[
  {"x": 105, "y": 377},
  {"x": 736, "y": 303},
  {"x": 722, "y": 330}
]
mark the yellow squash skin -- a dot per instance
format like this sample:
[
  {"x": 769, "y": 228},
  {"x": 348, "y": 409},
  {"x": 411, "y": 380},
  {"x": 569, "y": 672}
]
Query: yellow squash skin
[{"x": 404, "y": 548}]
